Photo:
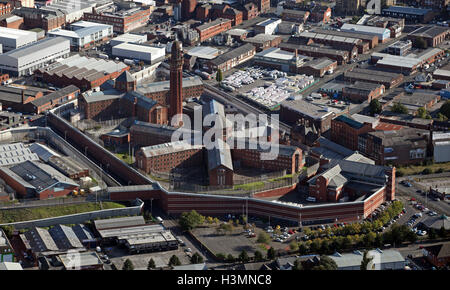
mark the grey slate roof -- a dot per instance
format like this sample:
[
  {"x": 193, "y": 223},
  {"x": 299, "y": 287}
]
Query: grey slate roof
[
  {"x": 220, "y": 156},
  {"x": 232, "y": 54}
]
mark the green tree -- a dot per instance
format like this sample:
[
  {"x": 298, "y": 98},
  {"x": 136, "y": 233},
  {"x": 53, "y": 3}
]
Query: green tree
[
  {"x": 258, "y": 256},
  {"x": 365, "y": 261},
  {"x": 375, "y": 107},
  {"x": 445, "y": 109},
  {"x": 326, "y": 263},
  {"x": 442, "y": 117},
  {"x": 422, "y": 113},
  {"x": 128, "y": 265},
  {"x": 221, "y": 256},
  {"x": 8, "y": 230},
  {"x": 369, "y": 239},
  {"x": 378, "y": 240},
  {"x": 271, "y": 253},
  {"x": 399, "y": 108},
  {"x": 297, "y": 265},
  {"x": 263, "y": 238},
  {"x": 230, "y": 258},
  {"x": 226, "y": 227},
  {"x": 174, "y": 261},
  {"x": 302, "y": 249},
  {"x": 432, "y": 234},
  {"x": 151, "y": 264},
  {"x": 243, "y": 256},
  {"x": 293, "y": 245},
  {"x": 196, "y": 258},
  {"x": 219, "y": 75},
  {"x": 315, "y": 246},
  {"x": 191, "y": 220}
]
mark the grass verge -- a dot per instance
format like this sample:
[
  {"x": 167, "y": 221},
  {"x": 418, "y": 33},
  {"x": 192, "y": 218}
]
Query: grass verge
[{"x": 25, "y": 214}]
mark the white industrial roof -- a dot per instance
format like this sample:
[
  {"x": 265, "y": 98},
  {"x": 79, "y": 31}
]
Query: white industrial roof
[
  {"x": 277, "y": 53},
  {"x": 79, "y": 61},
  {"x": 138, "y": 47},
  {"x": 205, "y": 52},
  {"x": 15, "y": 33},
  {"x": 129, "y": 37},
  {"x": 364, "y": 28},
  {"x": 396, "y": 60},
  {"x": 10, "y": 266}
]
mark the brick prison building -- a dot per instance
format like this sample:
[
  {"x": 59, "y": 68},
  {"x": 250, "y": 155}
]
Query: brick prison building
[
  {"x": 287, "y": 158},
  {"x": 160, "y": 91},
  {"x": 148, "y": 134},
  {"x": 169, "y": 156},
  {"x": 122, "y": 101},
  {"x": 351, "y": 180}
]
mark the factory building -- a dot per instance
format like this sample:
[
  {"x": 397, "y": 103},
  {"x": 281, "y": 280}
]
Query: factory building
[
  {"x": 11, "y": 39},
  {"x": 383, "y": 34},
  {"x": 148, "y": 54},
  {"x": 27, "y": 59},
  {"x": 84, "y": 34}
]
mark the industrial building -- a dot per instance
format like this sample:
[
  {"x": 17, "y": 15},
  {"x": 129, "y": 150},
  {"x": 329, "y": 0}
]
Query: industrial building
[
  {"x": 268, "y": 26},
  {"x": 371, "y": 40},
  {"x": 211, "y": 29},
  {"x": 401, "y": 147},
  {"x": 293, "y": 110},
  {"x": 441, "y": 147},
  {"x": 128, "y": 38},
  {"x": 232, "y": 58},
  {"x": 264, "y": 41},
  {"x": 32, "y": 179},
  {"x": 363, "y": 91},
  {"x": 87, "y": 261},
  {"x": 433, "y": 35},
  {"x": 382, "y": 260},
  {"x": 15, "y": 153},
  {"x": 27, "y": 59},
  {"x": 341, "y": 56},
  {"x": 318, "y": 67},
  {"x": 339, "y": 42},
  {"x": 83, "y": 72},
  {"x": 73, "y": 10},
  {"x": 410, "y": 14},
  {"x": 401, "y": 64},
  {"x": 282, "y": 60},
  {"x": 389, "y": 80},
  {"x": 148, "y": 54},
  {"x": 84, "y": 34},
  {"x": 11, "y": 39},
  {"x": 383, "y": 34},
  {"x": 135, "y": 234},
  {"x": 131, "y": 17},
  {"x": 400, "y": 48}
]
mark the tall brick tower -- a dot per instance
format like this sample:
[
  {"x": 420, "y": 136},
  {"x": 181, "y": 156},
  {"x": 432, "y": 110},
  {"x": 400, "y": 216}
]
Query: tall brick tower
[{"x": 176, "y": 79}]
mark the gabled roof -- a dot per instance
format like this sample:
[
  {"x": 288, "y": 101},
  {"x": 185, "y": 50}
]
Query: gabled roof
[{"x": 126, "y": 76}]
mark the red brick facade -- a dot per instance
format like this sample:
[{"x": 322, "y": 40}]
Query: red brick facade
[
  {"x": 209, "y": 31},
  {"x": 121, "y": 24}
]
